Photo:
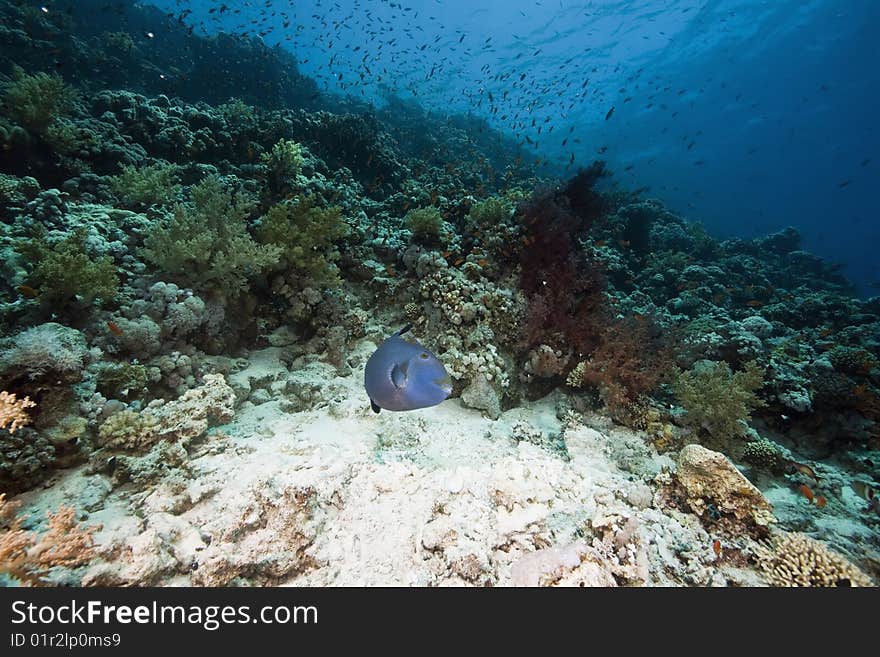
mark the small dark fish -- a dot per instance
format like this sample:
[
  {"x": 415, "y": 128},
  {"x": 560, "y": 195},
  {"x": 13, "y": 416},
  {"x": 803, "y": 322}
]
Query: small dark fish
[
  {"x": 844, "y": 184},
  {"x": 610, "y": 112}
]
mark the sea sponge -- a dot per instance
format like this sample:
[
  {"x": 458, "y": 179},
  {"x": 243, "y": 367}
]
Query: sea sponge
[{"x": 795, "y": 559}]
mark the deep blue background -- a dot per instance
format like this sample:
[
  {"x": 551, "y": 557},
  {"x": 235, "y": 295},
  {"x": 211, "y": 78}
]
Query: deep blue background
[{"x": 746, "y": 115}]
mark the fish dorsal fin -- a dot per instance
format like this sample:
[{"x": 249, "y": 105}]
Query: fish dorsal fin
[{"x": 398, "y": 375}]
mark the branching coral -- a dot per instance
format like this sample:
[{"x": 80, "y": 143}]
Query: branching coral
[
  {"x": 66, "y": 270},
  {"x": 237, "y": 113},
  {"x": 565, "y": 293},
  {"x": 155, "y": 184},
  {"x": 794, "y": 559},
  {"x": 284, "y": 160},
  {"x": 206, "y": 245},
  {"x": 304, "y": 235},
  {"x": 424, "y": 223},
  {"x": 34, "y": 101},
  {"x": 185, "y": 418},
  {"x": 12, "y": 411},
  {"x": 630, "y": 361},
  {"x": 29, "y": 557},
  {"x": 717, "y": 399}
]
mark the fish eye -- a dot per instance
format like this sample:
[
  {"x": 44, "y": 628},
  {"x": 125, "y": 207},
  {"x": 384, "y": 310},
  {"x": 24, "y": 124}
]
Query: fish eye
[{"x": 423, "y": 356}]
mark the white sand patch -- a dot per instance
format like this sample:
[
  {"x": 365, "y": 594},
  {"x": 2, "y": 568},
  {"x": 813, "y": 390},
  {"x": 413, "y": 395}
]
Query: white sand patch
[{"x": 337, "y": 495}]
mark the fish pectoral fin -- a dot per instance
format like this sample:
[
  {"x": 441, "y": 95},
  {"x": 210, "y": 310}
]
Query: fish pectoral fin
[
  {"x": 398, "y": 375},
  {"x": 374, "y": 406}
]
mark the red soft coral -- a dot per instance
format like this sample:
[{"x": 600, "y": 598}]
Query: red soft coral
[{"x": 563, "y": 287}]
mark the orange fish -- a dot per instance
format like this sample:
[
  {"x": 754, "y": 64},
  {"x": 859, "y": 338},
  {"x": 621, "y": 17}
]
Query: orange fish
[
  {"x": 716, "y": 547},
  {"x": 113, "y": 327},
  {"x": 754, "y": 303},
  {"x": 806, "y": 492},
  {"x": 27, "y": 291},
  {"x": 804, "y": 469},
  {"x": 821, "y": 501}
]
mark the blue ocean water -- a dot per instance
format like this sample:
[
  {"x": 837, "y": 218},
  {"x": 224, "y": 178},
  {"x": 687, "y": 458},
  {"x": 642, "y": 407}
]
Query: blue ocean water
[{"x": 745, "y": 115}]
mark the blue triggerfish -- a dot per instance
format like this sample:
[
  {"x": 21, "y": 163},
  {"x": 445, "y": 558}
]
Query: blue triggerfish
[{"x": 404, "y": 376}]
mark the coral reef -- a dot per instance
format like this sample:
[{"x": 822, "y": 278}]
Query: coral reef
[
  {"x": 718, "y": 400},
  {"x": 794, "y": 559},
  {"x": 182, "y": 419},
  {"x": 154, "y": 184},
  {"x": 28, "y": 557},
  {"x": 206, "y": 246},
  {"x": 13, "y": 413},
  {"x": 65, "y": 271},
  {"x": 197, "y": 267},
  {"x": 34, "y": 101}
]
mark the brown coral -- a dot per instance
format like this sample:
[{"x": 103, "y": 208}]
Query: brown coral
[
  {"x": 631, "y": 359},
  {"x": 12, "y": 411},
  {"x": 29, "y": 556},
  {"x": 795, "y": 559}
]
